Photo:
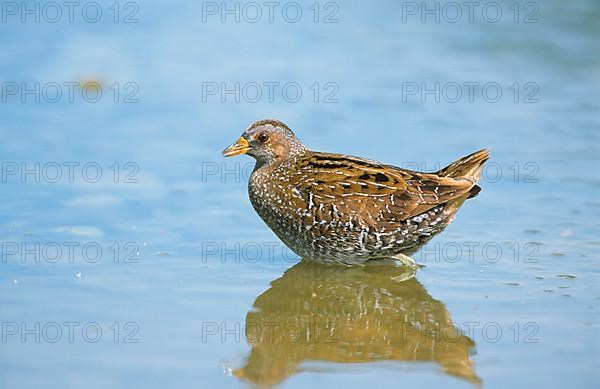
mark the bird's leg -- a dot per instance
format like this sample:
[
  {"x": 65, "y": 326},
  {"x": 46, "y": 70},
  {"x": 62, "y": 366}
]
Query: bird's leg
[
  {"x": 410, "y": 266},
  {"x": 406, "y": 260}
]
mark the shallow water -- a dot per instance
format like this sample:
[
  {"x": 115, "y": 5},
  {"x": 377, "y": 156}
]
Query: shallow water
[{"x": 138, "y": 260}]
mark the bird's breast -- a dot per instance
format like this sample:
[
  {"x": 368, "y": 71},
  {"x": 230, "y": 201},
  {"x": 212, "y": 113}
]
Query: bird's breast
[{"x": 272, "y": 198}]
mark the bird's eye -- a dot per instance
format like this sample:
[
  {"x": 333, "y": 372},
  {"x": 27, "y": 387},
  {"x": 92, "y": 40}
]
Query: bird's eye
[{"x": 263, "y": 137}]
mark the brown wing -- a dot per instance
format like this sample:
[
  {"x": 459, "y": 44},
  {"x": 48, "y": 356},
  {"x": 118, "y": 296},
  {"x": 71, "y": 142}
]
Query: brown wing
[{"x": 357, "y": 187}]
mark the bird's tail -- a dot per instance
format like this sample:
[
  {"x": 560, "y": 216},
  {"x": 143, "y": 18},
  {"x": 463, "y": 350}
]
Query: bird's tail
[{"x": 468, "y": 167}]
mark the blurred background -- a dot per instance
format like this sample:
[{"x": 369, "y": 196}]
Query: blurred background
[{"x": 119, "y": 214}]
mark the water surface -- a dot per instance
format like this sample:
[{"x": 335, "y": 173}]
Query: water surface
[{"x": 509, "y": 293}]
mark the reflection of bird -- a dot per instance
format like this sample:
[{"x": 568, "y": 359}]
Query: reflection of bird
[
  {"x": 339, "y": 208},
  {"x": 359, "y": 314}
]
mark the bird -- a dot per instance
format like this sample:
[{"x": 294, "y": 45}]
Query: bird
[{"x": 337, "y": 208}]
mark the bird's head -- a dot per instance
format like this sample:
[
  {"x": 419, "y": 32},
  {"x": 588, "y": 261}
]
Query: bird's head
[{"x": 267, "y": 141}]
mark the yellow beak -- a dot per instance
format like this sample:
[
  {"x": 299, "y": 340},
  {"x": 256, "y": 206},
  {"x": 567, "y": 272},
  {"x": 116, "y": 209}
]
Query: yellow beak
[{"x": 239, "y": 147}]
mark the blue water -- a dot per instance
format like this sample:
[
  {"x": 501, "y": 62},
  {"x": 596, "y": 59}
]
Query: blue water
[{"x": 186, "y": 265}]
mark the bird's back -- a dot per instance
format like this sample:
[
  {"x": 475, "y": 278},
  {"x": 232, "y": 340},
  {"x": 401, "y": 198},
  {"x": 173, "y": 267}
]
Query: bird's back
[{"x": 341, "y": 207}]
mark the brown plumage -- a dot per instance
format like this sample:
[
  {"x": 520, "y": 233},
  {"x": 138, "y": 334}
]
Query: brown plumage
[{"x": 339, "y": 208}]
